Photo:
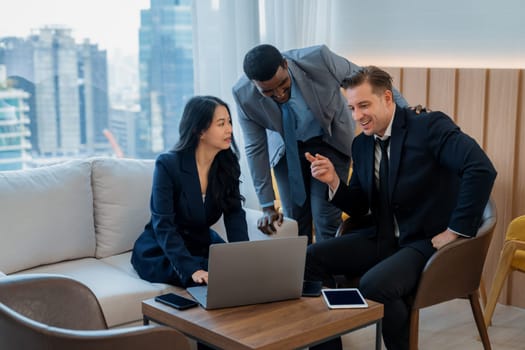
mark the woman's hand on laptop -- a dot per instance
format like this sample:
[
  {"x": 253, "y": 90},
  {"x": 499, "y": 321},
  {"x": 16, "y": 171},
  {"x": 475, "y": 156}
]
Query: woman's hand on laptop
[{"x": 200, "y": 276}]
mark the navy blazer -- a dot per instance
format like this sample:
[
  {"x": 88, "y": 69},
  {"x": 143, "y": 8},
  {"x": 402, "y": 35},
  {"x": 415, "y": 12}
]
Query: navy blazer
[
  {"x": 439, "y": 178},
  {"x": 175, "y": 243}
]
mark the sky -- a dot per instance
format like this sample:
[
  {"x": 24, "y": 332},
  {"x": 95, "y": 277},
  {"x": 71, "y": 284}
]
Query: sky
[{"x": 112, "y": 24}]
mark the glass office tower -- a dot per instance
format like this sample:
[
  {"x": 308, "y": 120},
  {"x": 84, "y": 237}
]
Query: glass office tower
[
  {"x": 17, "y": 56},
  {"x": 93, "y": 97},
  {"x": 15, "y": 147},
  {"x": 166, "y": 73},
  {"x": 56, "y": 90}
]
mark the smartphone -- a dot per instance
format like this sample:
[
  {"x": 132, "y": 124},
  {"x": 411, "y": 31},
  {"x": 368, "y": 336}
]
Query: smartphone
[
  {"x": 344, "y": 298},
  {"x": 176, "y": 301},
  {"x": 312, "y": 288}
]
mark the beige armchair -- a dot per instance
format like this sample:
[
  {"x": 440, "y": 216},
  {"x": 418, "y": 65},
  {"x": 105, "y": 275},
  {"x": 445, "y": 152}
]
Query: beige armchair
[
  {"x": 452, "y": 272},
  {"x": 56, "y": 312}
]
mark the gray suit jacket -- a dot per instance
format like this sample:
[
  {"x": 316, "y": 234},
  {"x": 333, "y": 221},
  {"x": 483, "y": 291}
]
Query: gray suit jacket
[{"x": 318, "y": 74}]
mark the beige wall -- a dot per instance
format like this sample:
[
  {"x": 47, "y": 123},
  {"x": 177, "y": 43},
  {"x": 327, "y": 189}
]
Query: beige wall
[
  {"x": 488, "y": 104},
  {"x": 445, "y": 33}
]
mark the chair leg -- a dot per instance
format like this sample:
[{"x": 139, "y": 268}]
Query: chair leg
[
  {"x": 502, "y": 271},
  {"x": 414, "y": 329},
  {"x": 480, "y": 323},
  {"x": 483, "y": 292}
]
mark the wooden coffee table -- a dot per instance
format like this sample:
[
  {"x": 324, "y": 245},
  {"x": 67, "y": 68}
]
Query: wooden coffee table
[{"x": 289, "y": 324}]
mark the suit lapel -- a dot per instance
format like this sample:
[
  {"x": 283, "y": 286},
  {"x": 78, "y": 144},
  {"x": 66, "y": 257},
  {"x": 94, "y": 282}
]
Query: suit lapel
[
  {"x": 191, "y": 185},
  {"x": 273, "y": 113},
  {"x": 306, "y": 86},
  {"x": 396, "y": 145},
  {"x": 369, "y": 166}
]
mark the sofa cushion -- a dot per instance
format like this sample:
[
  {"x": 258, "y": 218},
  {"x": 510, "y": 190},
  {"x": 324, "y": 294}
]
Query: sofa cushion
[
  {"x": 122, "y": 263},
  {"x": 119, "y": 294},
  {"x": 121, "y": 193},
  {"x": 47, "y": 215}
]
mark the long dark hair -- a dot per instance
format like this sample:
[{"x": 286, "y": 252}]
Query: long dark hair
[{"x": 225, "y": 171}]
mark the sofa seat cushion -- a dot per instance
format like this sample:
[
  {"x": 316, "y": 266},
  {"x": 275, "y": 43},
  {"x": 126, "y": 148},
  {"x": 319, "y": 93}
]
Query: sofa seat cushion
[
  {"x": 119, "y": 294},
  {"x": 121, "y": 193},
  {"x": 122, "y": 262},
  {"x": 47, "y": 215}
]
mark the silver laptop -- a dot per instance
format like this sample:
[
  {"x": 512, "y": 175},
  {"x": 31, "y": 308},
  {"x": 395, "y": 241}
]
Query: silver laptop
[{"x": 253, "y": 272}]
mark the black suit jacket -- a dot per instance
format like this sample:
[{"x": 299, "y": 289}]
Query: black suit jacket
[
  {"x": 439, "y": 177},
  {"x": 177, "y": 238}
]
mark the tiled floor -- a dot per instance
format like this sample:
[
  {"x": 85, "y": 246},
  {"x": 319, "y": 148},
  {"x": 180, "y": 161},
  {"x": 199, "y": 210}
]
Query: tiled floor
[{"x": 451, "y": 326}]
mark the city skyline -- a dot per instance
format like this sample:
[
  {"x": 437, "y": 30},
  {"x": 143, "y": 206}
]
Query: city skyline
[
  {"x": 113, "y": 25},
  {"x": 49, "y": 59},
  {"x": 67, "y": 90}
]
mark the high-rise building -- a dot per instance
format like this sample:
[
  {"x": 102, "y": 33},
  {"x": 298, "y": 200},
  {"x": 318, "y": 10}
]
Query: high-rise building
[
  {"x": 17, "y": 56},
  {"x": 93, "y": 97},
  {"x": 56, "y": 92},
  {"x": 68, "y": 89},
  {"x": 122, "y": 126},
  {"x": 15, "y": 147},
  {"x": 166, "y": 73}
]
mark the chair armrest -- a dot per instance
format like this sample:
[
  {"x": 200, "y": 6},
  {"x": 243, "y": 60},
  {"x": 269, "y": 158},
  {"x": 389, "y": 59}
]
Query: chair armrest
[
  {"x": 518, "y": 245},
  {"x": 39, "y": 296},
  {"x": 133, "y": 338},
  {"x": 17, "y": 330},
  {"x": 454, "y": 271}
]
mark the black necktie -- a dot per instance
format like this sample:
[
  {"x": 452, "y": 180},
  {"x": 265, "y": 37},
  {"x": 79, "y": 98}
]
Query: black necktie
[
  {"x": 385, "y": 217},
  {"x": 295, "y": 175}
]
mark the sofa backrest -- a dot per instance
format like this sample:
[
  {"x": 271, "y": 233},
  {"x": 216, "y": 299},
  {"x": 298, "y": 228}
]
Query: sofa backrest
[
  {"x": 121, "y": 194},
  {"x": 46, "y": 215}
]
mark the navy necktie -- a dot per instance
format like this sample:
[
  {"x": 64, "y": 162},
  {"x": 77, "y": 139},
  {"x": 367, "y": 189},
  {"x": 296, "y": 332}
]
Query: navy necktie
[
  {"x": 385, "y": 217},
  {"x": 295, "y": 175}
]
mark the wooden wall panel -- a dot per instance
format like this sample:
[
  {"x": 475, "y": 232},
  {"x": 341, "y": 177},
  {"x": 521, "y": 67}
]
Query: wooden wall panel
[
  {"x": 489, "y": 105},
  {"x": 500, "y": 135},
  {"x": 414, "y": 86},
  {"x": 519, "y": 176},
  {"x": 470, "y": 102},
  {"x": 514, "y": 295},
  {"x": 517, "y": 279},
  {"x": 442, "y": 90},
  {"x": 395, "y": 73}
]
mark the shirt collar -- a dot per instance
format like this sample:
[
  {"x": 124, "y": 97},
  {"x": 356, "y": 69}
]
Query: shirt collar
[{"x": 388, "y": 131}]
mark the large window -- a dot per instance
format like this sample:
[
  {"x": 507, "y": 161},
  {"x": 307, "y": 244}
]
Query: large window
[{"x": 95, "y": 77}]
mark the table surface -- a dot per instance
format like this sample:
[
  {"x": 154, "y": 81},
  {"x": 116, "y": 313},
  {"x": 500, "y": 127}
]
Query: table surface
[{"x": 288, "y": 324}]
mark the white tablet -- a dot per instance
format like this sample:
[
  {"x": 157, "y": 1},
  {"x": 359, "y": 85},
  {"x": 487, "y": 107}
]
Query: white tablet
[{"x": 344, "y": 298}]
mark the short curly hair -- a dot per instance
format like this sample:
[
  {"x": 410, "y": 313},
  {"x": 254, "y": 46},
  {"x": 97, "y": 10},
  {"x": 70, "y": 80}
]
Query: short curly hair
[{"x": 262, "y": 61}]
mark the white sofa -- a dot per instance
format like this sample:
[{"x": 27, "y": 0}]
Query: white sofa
[{"x": 81, "y": 219}]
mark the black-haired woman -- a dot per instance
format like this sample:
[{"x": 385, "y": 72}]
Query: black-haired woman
[{"x": 193, "y": 185}]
